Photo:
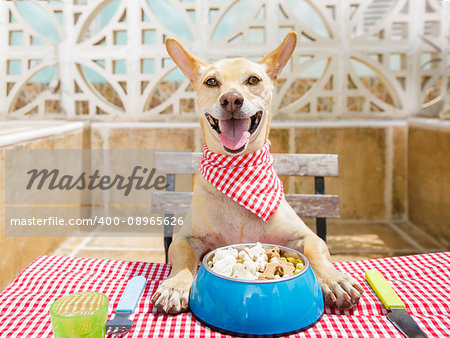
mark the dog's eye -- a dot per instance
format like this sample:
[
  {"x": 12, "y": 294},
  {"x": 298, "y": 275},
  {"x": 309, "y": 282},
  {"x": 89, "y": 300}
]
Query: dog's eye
[
  {"x": 253, "y": 80},
  {"x": 211, "y": 82}
]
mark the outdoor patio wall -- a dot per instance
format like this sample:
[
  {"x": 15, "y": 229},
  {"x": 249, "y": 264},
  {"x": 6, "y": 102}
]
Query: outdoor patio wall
[
  {"x": 372, "y": 157},
  {"x": 105, "y": 60},
  {"x": 18, "y": 252},
  {"x": 428, "y": 176}
]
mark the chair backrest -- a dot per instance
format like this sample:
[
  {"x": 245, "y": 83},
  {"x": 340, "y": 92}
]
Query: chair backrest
[{"x": 316, "y": 205}]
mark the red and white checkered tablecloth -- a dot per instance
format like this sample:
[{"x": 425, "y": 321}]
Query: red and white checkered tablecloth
[{"x": 422, "y": 282}]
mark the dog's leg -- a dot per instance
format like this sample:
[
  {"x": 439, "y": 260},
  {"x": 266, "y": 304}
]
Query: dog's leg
[
  {"x": 172, "y": 296},
  {"x": 339, "y": 290}
]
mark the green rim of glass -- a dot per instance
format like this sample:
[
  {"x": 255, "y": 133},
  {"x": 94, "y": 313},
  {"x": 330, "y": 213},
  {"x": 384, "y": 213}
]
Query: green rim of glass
[{"x": 102, "y": 295}]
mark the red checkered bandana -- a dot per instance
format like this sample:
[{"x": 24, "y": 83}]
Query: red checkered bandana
[{"x": 249, "y": 179}]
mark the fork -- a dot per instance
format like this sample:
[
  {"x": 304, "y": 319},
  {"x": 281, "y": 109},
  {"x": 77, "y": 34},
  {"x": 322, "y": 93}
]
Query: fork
[{"x": 121, "y": 324}]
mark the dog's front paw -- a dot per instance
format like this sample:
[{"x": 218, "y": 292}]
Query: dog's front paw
[
  {"x": 339, "y": 290},
  {"x": 172, "y": 296}
]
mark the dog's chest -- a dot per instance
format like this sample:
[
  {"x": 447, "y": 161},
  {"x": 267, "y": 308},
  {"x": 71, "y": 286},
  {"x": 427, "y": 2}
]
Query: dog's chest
[
  {"x": 223, "y": 220},
  {"x": 236, "y": 224}
]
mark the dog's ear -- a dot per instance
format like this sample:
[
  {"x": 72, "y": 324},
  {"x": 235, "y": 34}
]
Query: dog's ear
[
  {"x": 278, "y": 58},
  {"x": 188, "y": 63}
]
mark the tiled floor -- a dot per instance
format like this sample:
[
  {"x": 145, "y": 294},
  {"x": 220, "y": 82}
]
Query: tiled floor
[
  {"x": 353, "y": 241},
  {"x": 347, "y": 241},
  {"x": 148, "y": 249}
]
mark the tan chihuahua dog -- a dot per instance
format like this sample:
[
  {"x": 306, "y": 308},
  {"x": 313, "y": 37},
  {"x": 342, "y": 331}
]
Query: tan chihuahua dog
[{"x": 234, "y": 97}]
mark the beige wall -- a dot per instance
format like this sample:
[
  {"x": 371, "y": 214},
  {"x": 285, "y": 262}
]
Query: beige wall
[
  {"x": 141, "y": 136},
  {"x": 429, "y": 176},
  {"x": 18, "y": 252},
  {"x": 371, "y": 181}
]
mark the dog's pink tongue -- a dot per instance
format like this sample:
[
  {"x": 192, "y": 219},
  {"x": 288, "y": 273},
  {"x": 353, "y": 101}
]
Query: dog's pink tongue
[{"x": 234, "y": 133}]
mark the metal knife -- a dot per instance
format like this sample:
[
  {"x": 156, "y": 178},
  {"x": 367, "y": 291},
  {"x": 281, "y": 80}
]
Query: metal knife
[{"x": 391, "y": 301}]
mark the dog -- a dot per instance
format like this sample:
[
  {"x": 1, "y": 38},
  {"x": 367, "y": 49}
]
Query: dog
[{"x": 234, "y": 96}]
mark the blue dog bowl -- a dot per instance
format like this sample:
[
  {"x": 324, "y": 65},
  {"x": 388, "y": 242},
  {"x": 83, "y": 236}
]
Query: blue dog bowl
[{"x": 256, "y": 307}]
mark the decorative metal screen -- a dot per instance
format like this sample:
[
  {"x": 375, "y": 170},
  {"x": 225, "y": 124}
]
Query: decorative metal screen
[{"x": 105, "y": 60}]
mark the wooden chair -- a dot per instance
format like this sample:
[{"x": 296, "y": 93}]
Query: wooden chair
[{"x": 318, "y": 205}]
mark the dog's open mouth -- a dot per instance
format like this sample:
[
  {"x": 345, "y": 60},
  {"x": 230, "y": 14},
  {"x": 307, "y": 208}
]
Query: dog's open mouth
[{"x": 234, "y": 133}]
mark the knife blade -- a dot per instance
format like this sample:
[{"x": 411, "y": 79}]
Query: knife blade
[{"x": 392, "y": 302}]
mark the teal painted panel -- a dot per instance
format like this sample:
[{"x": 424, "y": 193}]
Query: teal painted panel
[
  {"x": 234, "y": 17},
  {"x": 13, "y": 19},
  {"x": 175, "y": 76},
  {"x": 33, "y": 62},
  {"x": 16, "y": 38},
  {"x": 59, "y": 16},
  {"x": 107, "y": 12},
  {"x": 149, "y": 37},
  {"x": 14, "y": 67},
  {"x": 171, "y": 17},
  {"x": 120, "y": 67},
  {"x": 38, "y": 19},
  {"x": 148, "y": 66},
  {"x": 361, "y": 69},
  {"x": 46, "y": 75},
  {"x": 314, "y": 71},
  {"x": 120, "y": 38},
  {"x": 307, "y": 16},
  {"x": 36, "y": 40},
  {"x": 101, "y": 63},
  {"x": 92, "y": 75}
]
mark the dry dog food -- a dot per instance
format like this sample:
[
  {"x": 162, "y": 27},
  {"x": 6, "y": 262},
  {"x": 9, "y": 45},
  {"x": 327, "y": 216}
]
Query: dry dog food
[{"x": 255, "y": 262}]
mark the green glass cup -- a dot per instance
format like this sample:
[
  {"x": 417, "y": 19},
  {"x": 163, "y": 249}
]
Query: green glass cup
[{"x": 81, "y": 314}]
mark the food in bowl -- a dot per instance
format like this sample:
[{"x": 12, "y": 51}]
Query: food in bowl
[
  {"x": 277, "y": 306},
  {"x": 255, "y": 262}
]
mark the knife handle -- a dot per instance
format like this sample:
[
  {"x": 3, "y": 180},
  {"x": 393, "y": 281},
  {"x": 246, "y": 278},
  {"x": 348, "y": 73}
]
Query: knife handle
[
  {"x": 383, "y": 290},
  {"x": 131, "y": 295}
]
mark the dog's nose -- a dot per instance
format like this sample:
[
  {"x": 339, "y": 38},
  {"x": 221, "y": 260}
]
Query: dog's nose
[{"x": 231, "y": 101}]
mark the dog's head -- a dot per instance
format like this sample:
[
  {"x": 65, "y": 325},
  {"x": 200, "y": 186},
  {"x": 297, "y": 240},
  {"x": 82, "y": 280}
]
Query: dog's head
[{"x": 234, "y": 95}]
